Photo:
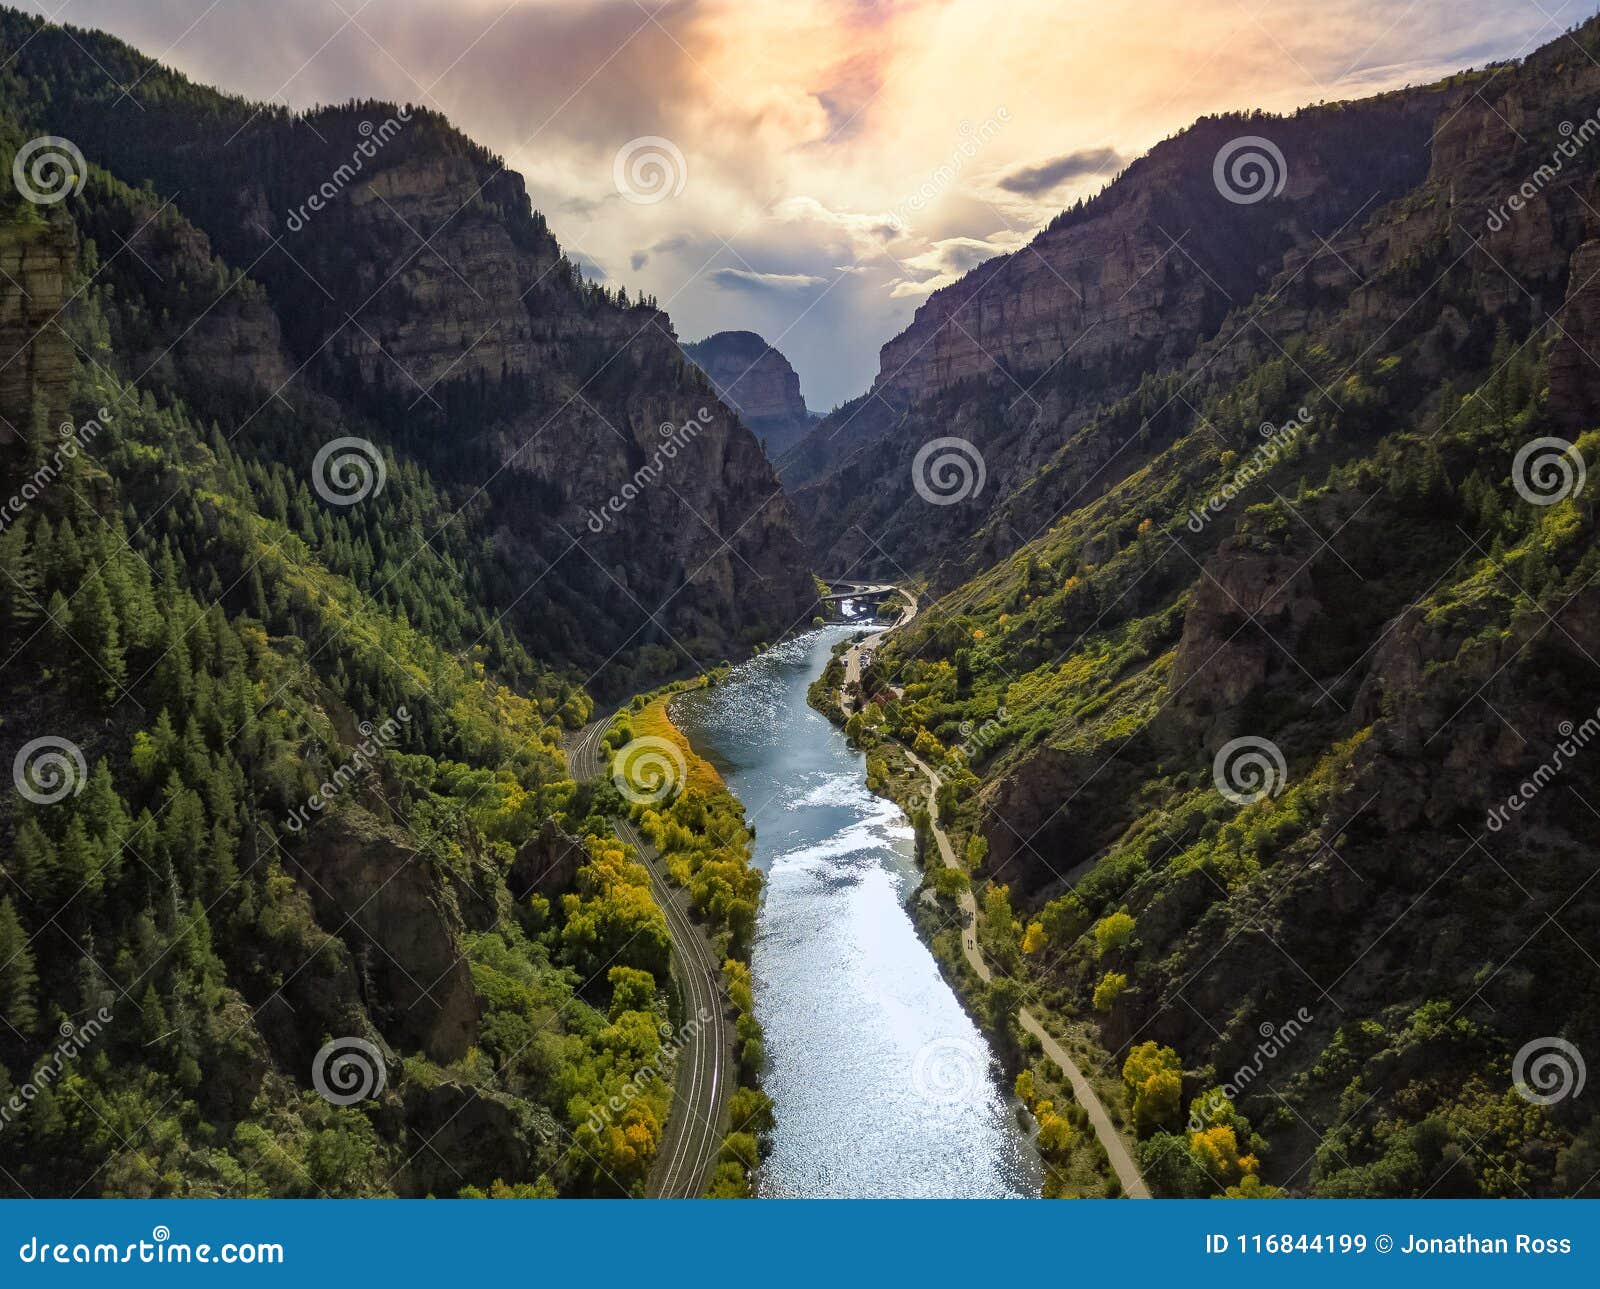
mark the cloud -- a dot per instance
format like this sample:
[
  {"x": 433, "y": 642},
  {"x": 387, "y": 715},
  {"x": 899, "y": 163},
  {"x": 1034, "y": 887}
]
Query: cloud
[
  {"x": 955, "y": 255},
  {"x": 905, "y": 288},
  {"x": 1031, "y": 181},
  {"x": 948, "y": 260},
  {"x": 749, "y": 280},
  {"x": 677, "y": 242},
  {"x": 582, "y": 207},
  {"x": 866, "y": 231},
  {"x": 804, "y": 123}
]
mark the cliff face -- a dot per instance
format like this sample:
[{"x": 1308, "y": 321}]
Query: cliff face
[
  {"x": 427, "y": 302},
  {"x": 35, "y": 359},
  {"x": 1285, "y": 645},
  {"x": 756, "y": 381},
  {"x": 1146, "y": 271},
  {"x": 1163, "y": 284}
]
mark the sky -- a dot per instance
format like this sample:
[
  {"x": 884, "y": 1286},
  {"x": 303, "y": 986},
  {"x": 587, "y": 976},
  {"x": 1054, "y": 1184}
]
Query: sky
[{"x": 812, "y": 169}]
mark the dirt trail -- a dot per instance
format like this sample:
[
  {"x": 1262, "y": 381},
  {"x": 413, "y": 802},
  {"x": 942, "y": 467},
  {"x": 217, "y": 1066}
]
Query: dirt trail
[{"x": 1121, "y": 1161}]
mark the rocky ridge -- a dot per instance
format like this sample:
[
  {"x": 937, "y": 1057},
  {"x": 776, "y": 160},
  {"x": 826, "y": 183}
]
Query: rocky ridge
[
  {"x": 756, "y": 381},
  {"x": 1076, "y": 355},
  {"x": 428, "y": 302}
]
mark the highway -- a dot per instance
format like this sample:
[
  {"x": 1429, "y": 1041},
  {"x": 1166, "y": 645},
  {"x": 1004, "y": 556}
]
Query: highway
[{"x": 852, "y": 655}]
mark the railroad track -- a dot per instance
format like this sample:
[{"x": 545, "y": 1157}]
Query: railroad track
[{"x": 704, "y": 1077}]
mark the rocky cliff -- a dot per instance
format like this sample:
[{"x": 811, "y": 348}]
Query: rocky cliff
[
  {"x": 1064, "y": 362},
  {"x": 756, "y": 381},
  {"x": 1144, "y": 272},
  {"x": 395, "y": 270},
  {"x": 35, "y": 360},
  {"x": 1283, "y": 638}
]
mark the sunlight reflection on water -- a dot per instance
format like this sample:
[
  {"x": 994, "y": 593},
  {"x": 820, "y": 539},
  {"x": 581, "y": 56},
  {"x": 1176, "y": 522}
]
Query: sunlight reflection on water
[{"x": 882, "y": 1083}]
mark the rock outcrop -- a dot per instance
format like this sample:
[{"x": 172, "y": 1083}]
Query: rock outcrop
[
  {"x": 1574, "y": 375},
  {"x": 1245, "y": 618},
  {"x": 371, "y": 887},
  {"x": 36, "y": 261},
  {"x": 491, "y": 1135},
  {"x": 757, "y": 381},
  {"x": 547, "y": 864}
]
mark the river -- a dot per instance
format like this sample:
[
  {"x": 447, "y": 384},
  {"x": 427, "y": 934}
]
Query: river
[{"x": 882, "y": 1084}]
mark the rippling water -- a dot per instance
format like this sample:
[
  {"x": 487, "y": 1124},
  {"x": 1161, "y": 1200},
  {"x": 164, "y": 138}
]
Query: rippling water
[{"x": 883, "y": 1085}]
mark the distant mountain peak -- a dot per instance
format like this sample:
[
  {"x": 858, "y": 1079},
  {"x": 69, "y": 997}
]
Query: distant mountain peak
[{"x": 757, "y": 381}]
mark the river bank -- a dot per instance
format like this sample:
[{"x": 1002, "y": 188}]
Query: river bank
[
  {"x": 882, "y": 1083},
  {"x": 1079, "y": 1118}
]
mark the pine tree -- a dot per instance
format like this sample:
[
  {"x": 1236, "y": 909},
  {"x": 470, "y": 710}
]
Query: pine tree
[
  {"x": 172, "y": 682},
  {"x": 18, "y": 980},
  {"x": 256, "y": 595},
  {"x": 82, "y": 862},
  {"x": 33, "y": 858},
  {"x": 94, "y": 628},
  {"x": 157, "y": 1029},
  {"x": 19, "y": 583}
]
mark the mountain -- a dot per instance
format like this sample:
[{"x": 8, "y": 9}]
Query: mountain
[
  {"x": 1027, "y": 348},
  {"x": 1262, "y": 653},
  {"x": 757, "y": 381},
  {"x": 333, "y": 498},
  {"x": 426, "y": 297}
]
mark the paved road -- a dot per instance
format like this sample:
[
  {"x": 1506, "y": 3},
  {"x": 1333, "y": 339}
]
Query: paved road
[
  {"x": 1127, "y": 1171},
  {"x": 852, "y": 655},
  {"x": 704, "y": 1077}
]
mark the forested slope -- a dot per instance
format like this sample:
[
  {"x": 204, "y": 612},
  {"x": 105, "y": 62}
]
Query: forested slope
[
  {"x": 296, "y": 599},
  {"x": 1265, "y": 701}
]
